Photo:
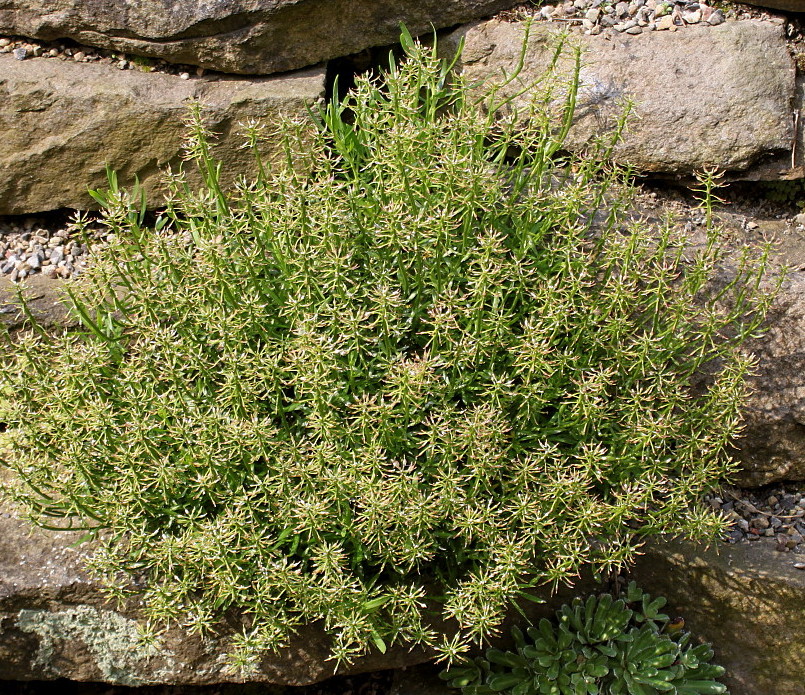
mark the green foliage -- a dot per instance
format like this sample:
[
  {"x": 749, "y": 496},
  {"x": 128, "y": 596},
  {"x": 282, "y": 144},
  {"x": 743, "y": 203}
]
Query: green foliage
[
  {"x": 416, "y": 368},
  {"x": 601, "y": 645},
  {"x": 784, "y": 192}
]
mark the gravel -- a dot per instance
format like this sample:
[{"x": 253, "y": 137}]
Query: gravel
[
  {"x": 634, "y": 17},
  {"x": 36, "y": 246},
  {"x": 25, "y": 49},
  {"x": 776, "y": 512}
]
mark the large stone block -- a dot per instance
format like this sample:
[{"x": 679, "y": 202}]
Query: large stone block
[
  {"x": 703, "y": 97},
  {"x": 62, "y": 123},
  {"x": 237, "y": 36},
  {"x": 745, "y": 599},
  {"x": 773, "y": 446}
]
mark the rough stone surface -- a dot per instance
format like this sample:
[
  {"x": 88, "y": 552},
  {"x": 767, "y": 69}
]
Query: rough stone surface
[
  {"x": 773, "y": 446},
  {"x": 45, "y": 303},
  {"x": 727, "y": 111},
  {"x": 237, "y": 36},
  {"x": 63, "y": 122},
  {"x": 745, "y": 599},
  {"x": 784, "y": 5}
]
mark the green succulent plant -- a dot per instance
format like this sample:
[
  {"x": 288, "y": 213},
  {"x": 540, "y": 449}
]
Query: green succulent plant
[{"x": 601, "y": 646}]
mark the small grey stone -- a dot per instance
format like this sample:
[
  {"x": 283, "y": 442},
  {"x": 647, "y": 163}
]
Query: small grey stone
[
  {"x": 759, "y": 522},
  {"x": 593, "y": 14},
  {"x": 715, "y": 502},
  {"x": 56, "y": 255},
  {"x": 634, "y": 30},
  {"x": 20, "y": 53},
  {"x": 743, "y": 524},
  {"x": 716, "y": 18}
]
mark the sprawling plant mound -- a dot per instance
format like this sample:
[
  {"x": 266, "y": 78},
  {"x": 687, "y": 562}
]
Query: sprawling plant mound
[{"x": 411, "y": 369}]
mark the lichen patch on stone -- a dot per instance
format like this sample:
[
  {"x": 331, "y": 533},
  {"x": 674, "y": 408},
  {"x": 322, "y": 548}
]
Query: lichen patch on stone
[{"x": 112, "y": 639}]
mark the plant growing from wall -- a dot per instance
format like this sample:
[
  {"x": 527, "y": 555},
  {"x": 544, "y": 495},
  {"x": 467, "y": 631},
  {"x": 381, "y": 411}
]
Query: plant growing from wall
[
  {"x": 601, "y": 645},
  {"x": 412, "y": 372}
]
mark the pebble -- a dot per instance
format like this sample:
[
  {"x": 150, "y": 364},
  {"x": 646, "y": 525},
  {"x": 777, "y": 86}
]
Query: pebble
[
  {"x": 35, "y": 248},
  {"x": 636, "y": 16},
  {"x": 30, "y": 48},
  {"x": 772, "y": 514},
  {"x": 665, "y": 22}
]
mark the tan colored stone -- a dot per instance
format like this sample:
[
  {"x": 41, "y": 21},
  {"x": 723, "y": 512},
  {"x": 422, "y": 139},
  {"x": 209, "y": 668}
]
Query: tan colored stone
[
  {"x": 238, "y": 36},
  {"x": 773, "y": 446},
  {"x": 63, "y": 122},
  {"x": 745, "y": 599},
  {"x": 709, "y": 96}
]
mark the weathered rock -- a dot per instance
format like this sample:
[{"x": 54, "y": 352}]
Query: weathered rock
[
  {"x": 745, "y": 599},
  {"x": 237, "y": 36},
  {"x": 45, "y": 303},
  {"x": 62, "y": 123},
  {"x": 784, "y": 5},
  {"x": 773, "y": 446},
  {"x": 725, "y": 111},
  {"x": 787, "y": 165}
]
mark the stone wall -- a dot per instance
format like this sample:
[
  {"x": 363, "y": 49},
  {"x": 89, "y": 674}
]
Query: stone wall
[{"x": 705, "y": 92}]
